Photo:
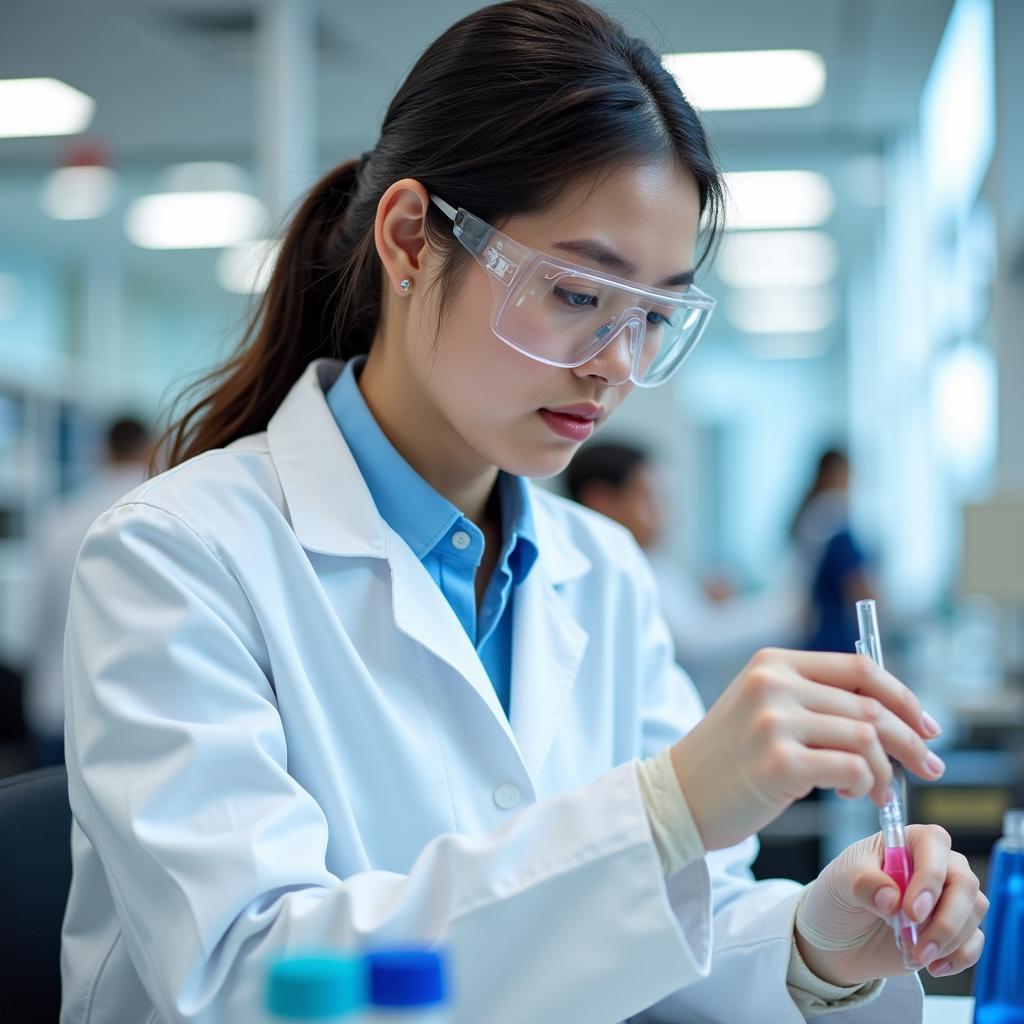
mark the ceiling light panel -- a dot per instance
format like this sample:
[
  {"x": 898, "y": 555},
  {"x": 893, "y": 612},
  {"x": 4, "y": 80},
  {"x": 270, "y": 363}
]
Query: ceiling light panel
[
  {"x": 782, "y": 310},
  {"x": 749, "y": 79},
  {"x": 776, "y": 259},
  {"x": 777, "y": 199},
  {"x": 42, "y": 106},
  {"x": 194, "y": 220}
]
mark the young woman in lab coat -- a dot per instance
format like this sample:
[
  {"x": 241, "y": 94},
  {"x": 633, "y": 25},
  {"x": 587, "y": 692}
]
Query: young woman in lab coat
[{"x": 342, "y": 676}]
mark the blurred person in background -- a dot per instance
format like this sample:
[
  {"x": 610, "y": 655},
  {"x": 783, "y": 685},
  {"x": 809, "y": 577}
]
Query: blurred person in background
[
  {"x": 715, "y": 630},
  {"x": 128, "y": 446},
  {"x": 837, "y": 570}
]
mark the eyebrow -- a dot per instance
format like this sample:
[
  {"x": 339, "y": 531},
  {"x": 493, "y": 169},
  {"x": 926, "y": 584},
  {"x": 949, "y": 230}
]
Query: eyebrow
[{"x": 591, "y": 249}]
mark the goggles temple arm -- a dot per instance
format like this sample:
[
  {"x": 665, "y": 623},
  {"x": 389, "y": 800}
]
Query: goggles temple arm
[{"x": 469, "y": 230}]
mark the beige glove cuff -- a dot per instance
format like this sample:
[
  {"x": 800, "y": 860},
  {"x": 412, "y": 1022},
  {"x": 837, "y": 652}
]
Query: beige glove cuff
[
  {"x": 675, "y": 833},
  {"x": 815, "y": 997}
]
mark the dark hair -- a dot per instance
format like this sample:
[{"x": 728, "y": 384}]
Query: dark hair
[
  {"x": 498, "y": 116},
  {"x": 127, "y": 438},
  {"x": 606, "y": 462},
  {"x": 829, "y": 461}
]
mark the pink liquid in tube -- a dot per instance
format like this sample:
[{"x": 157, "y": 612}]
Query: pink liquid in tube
[{"x": 896, "y": 864}]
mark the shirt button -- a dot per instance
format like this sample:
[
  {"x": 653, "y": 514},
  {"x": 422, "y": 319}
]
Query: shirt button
[
  {"x": 460, "y": 540},
  {"x": 506, "y": 796}
]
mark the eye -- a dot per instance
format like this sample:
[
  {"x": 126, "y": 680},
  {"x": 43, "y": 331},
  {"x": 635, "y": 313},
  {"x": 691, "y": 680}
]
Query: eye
[
  {"x": 657, "y": 319},
  {"x": 575, "y": 299}
]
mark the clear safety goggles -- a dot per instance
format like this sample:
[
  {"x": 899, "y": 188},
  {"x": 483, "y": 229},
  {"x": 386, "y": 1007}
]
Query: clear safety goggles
[{"x": 563, "y": 314}]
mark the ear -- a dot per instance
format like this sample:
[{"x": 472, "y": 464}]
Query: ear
[{"x": 398, "y": 231}]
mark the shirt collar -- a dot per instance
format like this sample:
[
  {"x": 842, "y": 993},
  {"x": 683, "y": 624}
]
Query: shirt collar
[
  {"x": 517, "y": 526},
  {"x": 411, "y": 507}
]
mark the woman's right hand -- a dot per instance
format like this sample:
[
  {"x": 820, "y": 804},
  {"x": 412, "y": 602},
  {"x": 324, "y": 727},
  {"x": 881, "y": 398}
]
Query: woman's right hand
[{"x": 792, "y": 721}]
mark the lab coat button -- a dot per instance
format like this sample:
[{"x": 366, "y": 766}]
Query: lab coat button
[
  {"x": 461, "y": 540},
  {"x": 506, "y": 796}
]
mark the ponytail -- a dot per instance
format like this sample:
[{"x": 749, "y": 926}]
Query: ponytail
[{"x": 322, "y": 300}]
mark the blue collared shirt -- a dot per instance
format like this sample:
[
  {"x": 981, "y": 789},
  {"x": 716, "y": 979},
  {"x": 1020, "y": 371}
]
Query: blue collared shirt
[{"x": 442, "y": 538}]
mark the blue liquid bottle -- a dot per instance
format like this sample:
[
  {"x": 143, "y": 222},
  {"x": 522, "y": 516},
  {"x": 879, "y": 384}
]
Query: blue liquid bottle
[
  {"x": 407, "y": 986},
  {"x": 999, "y": 982}
]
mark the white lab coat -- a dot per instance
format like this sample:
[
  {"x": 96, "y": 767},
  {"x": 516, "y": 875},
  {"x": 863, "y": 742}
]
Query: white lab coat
[{"x": 279, "y": 735}]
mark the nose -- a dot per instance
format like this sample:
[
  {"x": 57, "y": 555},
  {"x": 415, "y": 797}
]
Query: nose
[{"x": 612, "y": 365}]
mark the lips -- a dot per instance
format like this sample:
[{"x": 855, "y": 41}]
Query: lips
[
  {"x": 580, "y": 411},
  {"x": 573, "y": 422}
]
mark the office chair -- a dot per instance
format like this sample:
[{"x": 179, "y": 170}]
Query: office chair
[{"x": 35, "y": 873}]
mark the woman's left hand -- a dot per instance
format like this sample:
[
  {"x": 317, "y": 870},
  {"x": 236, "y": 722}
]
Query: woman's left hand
[{"x": 841, "y": 927}]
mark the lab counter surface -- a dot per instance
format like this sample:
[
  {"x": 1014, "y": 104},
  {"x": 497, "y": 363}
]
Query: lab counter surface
[{"x": 948, "y": 1009}]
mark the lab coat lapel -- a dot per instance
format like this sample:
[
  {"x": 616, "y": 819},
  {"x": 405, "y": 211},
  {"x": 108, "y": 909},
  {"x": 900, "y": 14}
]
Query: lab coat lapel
[
  {"x": 425, "y": 616},
  {"x": 333, "y": 512},
  {"x": 547, "y": 641}
]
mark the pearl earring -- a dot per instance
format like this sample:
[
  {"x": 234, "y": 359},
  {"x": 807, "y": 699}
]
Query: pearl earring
[{"x": 405, "y": 284}]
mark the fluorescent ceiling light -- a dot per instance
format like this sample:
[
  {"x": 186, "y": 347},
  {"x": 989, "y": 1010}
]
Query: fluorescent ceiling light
[
  {"x": 749, "y": 79},
  {"x": 42, "y": 106},
  {"x": 776, "y": 259},
  {"x": 795, "y": 346},
  {"x": 778, "y": 199},
  {"x": 79, "y": 193},
  {"x": 194, "y": 220},
  {"x": 204, "y": 176},
  {"x": 245, "y": 269},
  {"x": 782, "y": 310}
]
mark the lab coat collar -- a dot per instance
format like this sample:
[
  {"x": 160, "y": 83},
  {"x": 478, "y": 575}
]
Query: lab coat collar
[
  {"x": 332, "y": 512},
  {"x": 331, "y": 508}
]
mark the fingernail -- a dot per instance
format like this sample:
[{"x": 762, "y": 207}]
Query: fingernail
[
  {"x": 885, "y": 900},
  {"x": 929, "y": 953},
  {"x": 935, "y": 763},
  {"x": 940, "y": 969},
  {"x": 933, "y": 728},
  {"x": 923, "y": 907}
]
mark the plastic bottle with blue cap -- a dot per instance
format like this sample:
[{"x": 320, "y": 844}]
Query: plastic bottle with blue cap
[
  {"x": 407, "y": 986},
  {"x": 999, "y": 977},
  {"x": 317, "y": 986}
]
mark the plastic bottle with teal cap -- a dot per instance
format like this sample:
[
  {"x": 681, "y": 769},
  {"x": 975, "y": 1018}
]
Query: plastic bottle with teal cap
[
  {"x": 316, "y": 986},
  {"x": 999, "y": 980}
]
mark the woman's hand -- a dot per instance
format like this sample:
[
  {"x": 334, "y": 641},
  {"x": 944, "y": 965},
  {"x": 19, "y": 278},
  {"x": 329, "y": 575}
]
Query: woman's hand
[
  {"x": 841, "y": 929},
  {"x": 792, "y": 721}
]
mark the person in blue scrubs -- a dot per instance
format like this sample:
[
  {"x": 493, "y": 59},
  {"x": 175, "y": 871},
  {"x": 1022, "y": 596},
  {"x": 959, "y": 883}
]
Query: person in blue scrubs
[{"x": 838, "y": 569}]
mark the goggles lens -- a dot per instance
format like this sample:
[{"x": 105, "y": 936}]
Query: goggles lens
[
  {"x": 563, "y": 314},
  {"x": 564, "y": 317}
]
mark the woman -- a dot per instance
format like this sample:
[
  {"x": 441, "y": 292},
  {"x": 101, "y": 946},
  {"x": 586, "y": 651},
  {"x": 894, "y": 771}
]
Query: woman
[
  {"x": 343, "y": 676},
  {"x": 836, "y": 567}
]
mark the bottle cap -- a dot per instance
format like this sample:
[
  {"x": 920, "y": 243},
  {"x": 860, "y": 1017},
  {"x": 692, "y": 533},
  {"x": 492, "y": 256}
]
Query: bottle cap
[
  {"x": 406, "y": 977},
  {"x": 316, "y": 986},
  {"x": 1013, "y": 824}
]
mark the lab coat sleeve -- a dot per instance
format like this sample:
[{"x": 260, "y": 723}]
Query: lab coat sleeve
[
  {"x": 752, "y": 920},
  {"x": 215, "y": 856}
]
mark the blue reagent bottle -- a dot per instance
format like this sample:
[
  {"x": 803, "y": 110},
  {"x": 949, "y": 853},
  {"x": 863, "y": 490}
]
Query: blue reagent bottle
[
  {"x": 999, "y": 981},
  {"x": 407, "y": 986}
]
